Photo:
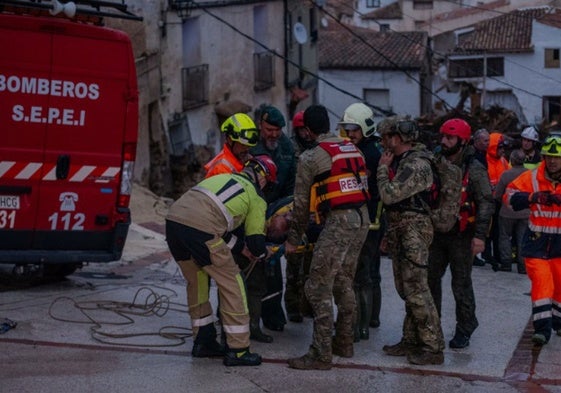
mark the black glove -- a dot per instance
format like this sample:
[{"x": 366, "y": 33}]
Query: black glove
[
  {"x": 541, "y": 198},
  {"x": 555, "y": 199}
]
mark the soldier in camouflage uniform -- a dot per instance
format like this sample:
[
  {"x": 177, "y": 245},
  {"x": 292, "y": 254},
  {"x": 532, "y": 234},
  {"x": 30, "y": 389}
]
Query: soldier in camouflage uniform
[
  {"x": 458, "y": 246},
  {"x": 332, "y": 178},
  {"x": 404, "y": 179}
]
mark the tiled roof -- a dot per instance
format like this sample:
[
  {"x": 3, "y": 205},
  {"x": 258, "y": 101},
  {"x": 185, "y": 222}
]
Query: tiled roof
[
  {"x": 505, "y": 33},
  {"x": 463, "y": 12},
  {"x": 339, "y": 48},
  {"x": 553, "y": 20},
  {"x": 340, "y": 7},
  {"x": 391, "y": 11}
]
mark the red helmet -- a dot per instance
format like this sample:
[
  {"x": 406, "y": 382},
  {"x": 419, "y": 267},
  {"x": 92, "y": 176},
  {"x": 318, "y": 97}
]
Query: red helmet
[
  {"x": 457, "y": 127},
  {"x": 266, "y": 164},
  {"x": 298, "y": 120}
]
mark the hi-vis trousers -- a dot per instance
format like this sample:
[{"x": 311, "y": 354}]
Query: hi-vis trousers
[
  {"x": 545, "y": 275},
  {"x": 215, "y": 261}
]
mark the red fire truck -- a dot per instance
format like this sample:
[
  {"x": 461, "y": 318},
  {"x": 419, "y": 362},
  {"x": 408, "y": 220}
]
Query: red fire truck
[{"x": 68, "y": 134}]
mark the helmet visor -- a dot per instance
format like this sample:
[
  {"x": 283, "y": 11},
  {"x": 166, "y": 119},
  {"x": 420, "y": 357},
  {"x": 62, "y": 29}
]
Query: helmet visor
[{"x": 350, "y": 127}]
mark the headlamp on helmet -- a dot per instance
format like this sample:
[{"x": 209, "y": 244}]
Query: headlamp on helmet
[{"x": 240, "y": 128}]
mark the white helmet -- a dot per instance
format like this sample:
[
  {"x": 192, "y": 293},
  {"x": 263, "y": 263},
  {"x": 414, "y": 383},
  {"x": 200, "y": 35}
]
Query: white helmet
[
  {"x": 362, "y": 116},
  {"x": 530, "y": 133}
]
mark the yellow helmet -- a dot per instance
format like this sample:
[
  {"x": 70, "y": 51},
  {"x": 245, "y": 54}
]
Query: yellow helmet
[
  {"x": 552, "y": 146},
  {"x": 240, "y": 128}
]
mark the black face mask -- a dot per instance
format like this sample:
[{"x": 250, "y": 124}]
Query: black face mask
[{"x": 447, "y": 152}]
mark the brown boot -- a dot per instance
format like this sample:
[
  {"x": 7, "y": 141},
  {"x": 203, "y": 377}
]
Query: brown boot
[
  {"x": 344, "y": 350},
  {"x": 307, "y": 362},
  {"x": 400, "y": 349},
  {"x": 424, "y": 358}
]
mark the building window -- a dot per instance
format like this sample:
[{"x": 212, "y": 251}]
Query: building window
[
  {"x": 495, "y": 66},
  {"x": 179, "y": 134},
  {"x": 379, "y": 98},
  {"x": 372, "y": 3},
  {"x": 552, "y": 108},
  {"x": 473, "y": 68},
  {"x": 423, "y": 4},
  {"x": 551, "y": 58},
  {"x": 384, "y": 27},
  {"x": 194, "y": 82},
  {"x": 264, "y": 69}
]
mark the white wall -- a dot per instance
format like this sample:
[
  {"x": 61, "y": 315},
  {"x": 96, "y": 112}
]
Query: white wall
[{"x": 404, "y": 93}]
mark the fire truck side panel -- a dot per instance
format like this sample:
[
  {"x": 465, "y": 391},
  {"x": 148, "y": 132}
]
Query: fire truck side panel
[{"x": 80, "y": 108}]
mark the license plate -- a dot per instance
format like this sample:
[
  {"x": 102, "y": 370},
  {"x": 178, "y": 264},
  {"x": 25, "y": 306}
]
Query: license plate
[{"x": 9, "y": 202}]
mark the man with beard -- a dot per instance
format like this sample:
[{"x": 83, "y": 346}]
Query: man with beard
[
  {"x": 274, "y": 143},
  {"x": 467, "y": 238},
  {"x": 405, "y": 177}
]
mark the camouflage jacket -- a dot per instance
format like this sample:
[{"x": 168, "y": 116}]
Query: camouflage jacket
[
  {"x": 479, "y": 191},
  {"x": 412, "y": 177}
]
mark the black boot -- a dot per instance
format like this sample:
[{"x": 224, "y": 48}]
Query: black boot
[
  {"x": 205, "y": 344},
  {"x": 376, "y": 305},
  {"x": 254, "y": 305},
  {"x": 365, "y": 297},
  {"x": 241, "y": 357}
]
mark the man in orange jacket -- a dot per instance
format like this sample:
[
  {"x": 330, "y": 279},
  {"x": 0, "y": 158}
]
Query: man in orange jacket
[
  {"x": 241, "y": 134},
  {"x": 540, "y": 190},
  {"x": 496, "y": 165}
]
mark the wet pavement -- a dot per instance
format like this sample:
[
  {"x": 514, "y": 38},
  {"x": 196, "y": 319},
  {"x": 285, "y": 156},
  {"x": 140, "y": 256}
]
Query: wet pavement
[{"x": 124, "y": 327}]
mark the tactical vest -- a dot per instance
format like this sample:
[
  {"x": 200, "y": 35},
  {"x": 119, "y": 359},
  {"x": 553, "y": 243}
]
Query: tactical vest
[
  {"x": 345, "y": 185},
  {"x": 467, "y": 206}
]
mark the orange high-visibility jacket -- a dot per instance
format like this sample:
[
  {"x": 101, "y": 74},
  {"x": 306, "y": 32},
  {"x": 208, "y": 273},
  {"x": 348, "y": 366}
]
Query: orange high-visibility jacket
[{"x": 223, "y": 162}]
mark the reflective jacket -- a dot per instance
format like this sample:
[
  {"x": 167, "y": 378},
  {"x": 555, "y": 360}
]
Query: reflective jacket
[
  {"x": 220, "y": 204},
  {"x": 543, "y": 237},
  {"x": 495, "y": 165},
  {"x": 223, "y": 162}
]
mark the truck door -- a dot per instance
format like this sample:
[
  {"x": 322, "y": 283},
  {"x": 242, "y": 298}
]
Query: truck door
[{"x": 24, "y": 70}]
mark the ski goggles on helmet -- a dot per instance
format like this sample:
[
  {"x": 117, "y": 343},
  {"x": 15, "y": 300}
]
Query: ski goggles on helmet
[
  {"x": 552, "y": 146},
  {"x": 247, "y": 136}
]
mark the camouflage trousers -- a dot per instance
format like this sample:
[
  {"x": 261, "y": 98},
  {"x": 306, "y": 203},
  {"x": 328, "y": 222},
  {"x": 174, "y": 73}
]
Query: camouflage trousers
[
  {"x": 409, "y": 236},
  {"x": 331, "y": 277}
]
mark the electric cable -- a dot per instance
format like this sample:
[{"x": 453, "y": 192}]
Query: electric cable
[{"x": 146, "y": 302}]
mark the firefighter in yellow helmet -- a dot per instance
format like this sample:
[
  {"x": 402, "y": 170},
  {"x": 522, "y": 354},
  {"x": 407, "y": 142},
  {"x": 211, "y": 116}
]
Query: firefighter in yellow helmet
[
  {"x": 241, "y": 134},
  {"x": 540, "y": 191}
]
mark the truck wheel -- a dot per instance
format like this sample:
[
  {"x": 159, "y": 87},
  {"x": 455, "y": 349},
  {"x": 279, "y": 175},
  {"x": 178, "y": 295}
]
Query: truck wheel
[{"x": 59, "y": 270}]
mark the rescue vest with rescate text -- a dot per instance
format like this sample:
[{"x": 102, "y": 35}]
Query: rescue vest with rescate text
[{"x": 346, "y": 184}]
